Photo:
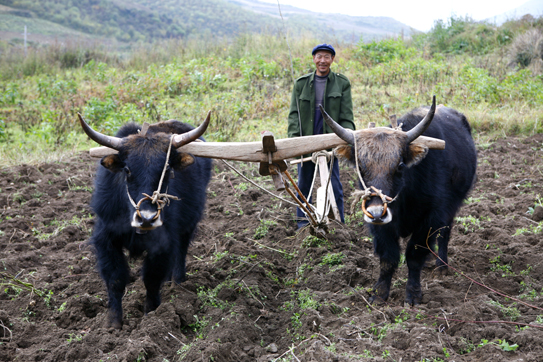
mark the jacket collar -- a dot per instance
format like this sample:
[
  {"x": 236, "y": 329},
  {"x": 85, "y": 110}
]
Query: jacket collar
[{"x": 331, "y": 76}]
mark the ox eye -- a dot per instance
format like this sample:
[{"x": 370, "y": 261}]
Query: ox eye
[
  {"x": 401, "y": 167},
  {"x": 126, "y": 171}
]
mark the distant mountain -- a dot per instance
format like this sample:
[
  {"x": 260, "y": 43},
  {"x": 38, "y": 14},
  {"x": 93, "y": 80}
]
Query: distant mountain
[
  {"x": 532, "y": 7},
  {"x": 342, "y": 26},
  {"x": 149, "y": 20},
  {"x": 13, "y": 22}
]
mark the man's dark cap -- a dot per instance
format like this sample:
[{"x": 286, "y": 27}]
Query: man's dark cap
[{"x": 324, "y": 46}]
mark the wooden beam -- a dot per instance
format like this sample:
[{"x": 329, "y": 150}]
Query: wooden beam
[{"x": 286, "y": 147}]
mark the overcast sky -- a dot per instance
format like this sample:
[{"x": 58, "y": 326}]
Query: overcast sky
[{"x": 419, "y": 14}]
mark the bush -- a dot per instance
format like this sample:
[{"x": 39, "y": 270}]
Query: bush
[
  {"x": 526, "y": 48},
  {"x": 384, "y": 51},
  {"x": 464, "y": 35}
]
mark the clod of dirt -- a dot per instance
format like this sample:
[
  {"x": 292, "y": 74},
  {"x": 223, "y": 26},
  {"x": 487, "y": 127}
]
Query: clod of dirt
[{"x": 538, "y": 214}]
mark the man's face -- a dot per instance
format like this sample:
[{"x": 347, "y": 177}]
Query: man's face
[{"x": 323, "y": 59}]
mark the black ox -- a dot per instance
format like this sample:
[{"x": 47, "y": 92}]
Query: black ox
[
  {"x": 131, "y": 215},
  {"x": 421, "y": 190}
]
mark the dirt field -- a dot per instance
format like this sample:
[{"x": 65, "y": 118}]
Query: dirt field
[{"x": 257, "y": 291}]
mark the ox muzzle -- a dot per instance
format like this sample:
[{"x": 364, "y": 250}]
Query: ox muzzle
[
  {"x": 375, "y": 207},
  {"x": 377, "y": 214},
  {"x": 146, "y": 217}
]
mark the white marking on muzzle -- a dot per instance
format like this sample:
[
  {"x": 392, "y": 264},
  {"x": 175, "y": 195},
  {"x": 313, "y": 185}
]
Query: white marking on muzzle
[
  {"x": 378, "y": 210},
  {"x": 138, "y": 222}
]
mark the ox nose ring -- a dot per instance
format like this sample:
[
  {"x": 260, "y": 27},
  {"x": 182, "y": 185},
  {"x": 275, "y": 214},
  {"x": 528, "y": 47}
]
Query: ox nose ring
[
  {"x": 377, "y": 193},
  {"x": 147, "y": 197},
  {"x": 368, "y": 214}
]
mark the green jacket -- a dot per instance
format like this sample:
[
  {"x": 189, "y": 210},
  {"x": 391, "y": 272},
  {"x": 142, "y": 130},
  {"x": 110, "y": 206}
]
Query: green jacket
[{"x": 337, "y": 103}]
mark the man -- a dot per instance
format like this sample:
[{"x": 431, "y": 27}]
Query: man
[{"x": 333, "y": 91}]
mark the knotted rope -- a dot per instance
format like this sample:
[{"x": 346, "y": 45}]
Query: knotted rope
[
  {"x": 255, "y": 184},
  {"x": 158, "y": 198},
  {"x": 315, "y": 156}
]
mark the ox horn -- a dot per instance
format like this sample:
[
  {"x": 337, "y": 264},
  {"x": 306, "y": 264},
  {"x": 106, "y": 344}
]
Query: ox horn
[
  {"x": 341, "y": 132},
  {"x": 102, "y": 139},
  {"x": 419, "y": 129},
  {"x": 182, "y": 139}
]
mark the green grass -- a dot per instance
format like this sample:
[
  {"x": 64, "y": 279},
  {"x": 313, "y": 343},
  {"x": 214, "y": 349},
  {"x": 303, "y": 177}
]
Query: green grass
[
  {"x": 262, "y": 229},
  {"x": 531, "y": 229},
  {"x": 498, "y": 266},
  {"x": 246, "y": 83},
  {"x": 468, "y": 223},
  {"x": 333, "y": 259},
  {"x": 59, "y": 226},
  {"x": 314, "y": 241},
  {"x": 511, "y": 312}
]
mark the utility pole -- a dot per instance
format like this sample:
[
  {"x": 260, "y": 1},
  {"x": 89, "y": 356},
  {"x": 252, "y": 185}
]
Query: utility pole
[{"x": 25, "y": 41}]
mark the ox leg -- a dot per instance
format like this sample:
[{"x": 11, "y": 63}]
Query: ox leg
[
  {"x": 179, "y": 272},
  {"x": 386, "y": 246},
  {"x": 156, "y": 270},
  {"x": 442, "y": 237},
  {"x": 416, "y": 252},
  {"x": 115, "y": 272}
]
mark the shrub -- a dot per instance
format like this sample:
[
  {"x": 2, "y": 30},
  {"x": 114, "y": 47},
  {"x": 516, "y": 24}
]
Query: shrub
[
  {"x": 460, "y": 35},
  {"x": 526, "y": 48},
  {"x": 384, "y": 51}
]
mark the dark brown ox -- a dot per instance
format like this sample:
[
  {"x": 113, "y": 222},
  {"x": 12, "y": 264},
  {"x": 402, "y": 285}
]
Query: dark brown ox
[{"x": 411, "y": 191}]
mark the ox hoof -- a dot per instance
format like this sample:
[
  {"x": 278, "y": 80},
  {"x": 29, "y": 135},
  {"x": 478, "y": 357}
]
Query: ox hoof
[
  {"x": 411, "y": 303},
  {"x": 179, "y": 277},
  {"x": 114, "y": 320},
  {"x": 413, "y": 294},
  {"x": 114, "y": 324},
  {"x": 151, "y": 304},
  {"x": 377, "y": 300},
  {"x": 440, "y": 271},
  {"x": 413, "y": 299}
]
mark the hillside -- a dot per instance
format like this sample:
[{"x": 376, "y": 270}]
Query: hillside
[
  {"x": 369, "y": 27},
  {"x": 122, "y": 20},
  {"x": 150, "y": 20},
  {"x": 13, "y": 21}
]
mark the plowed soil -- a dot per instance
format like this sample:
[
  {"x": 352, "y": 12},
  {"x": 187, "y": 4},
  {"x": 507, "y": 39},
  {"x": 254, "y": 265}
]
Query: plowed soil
[{"x": 259, "y": 291}]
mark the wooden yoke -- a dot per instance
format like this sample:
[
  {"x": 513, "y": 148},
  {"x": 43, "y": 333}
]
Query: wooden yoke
[{"x": 272, "y": 168}]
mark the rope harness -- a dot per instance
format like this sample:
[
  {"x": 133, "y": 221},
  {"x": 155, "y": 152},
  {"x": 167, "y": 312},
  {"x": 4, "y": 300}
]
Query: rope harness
[
  {"x": 307, "y": 208},
  {"x": 314, "y": 159},
  {"x": 367, "y": 193},
  {"x": 303, "y": 205},
  {"x": 158, "y": 198},
  {"x": 255, "y": 184}
]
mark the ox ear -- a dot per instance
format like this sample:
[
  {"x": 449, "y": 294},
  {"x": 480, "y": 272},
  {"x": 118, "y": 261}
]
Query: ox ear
[
  {"x": 344, "y": 153},
  {"x": 112, "y": 163},
  {"x": 183, "y": 160},
  {"x": 415, "y": 154}
]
